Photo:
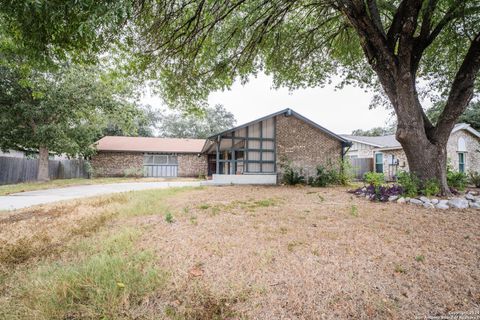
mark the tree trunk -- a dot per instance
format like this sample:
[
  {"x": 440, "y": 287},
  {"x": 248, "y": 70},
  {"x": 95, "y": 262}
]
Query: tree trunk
[
  {"x": 428, "y": 161},
  {"x": 43, "y": 164}
]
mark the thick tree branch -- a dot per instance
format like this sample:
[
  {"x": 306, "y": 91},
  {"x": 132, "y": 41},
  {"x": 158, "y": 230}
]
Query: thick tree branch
[
  {"x": 461, "y": 91},
  {"x": 375, "y": 16}
]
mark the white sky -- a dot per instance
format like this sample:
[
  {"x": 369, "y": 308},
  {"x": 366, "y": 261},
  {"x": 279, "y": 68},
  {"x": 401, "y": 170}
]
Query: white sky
[{"x": 340, "y": 111}]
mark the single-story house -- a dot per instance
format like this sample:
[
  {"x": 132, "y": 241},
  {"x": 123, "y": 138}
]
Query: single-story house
[
  {"x": 387, "y": 156},
  {"x": 250, "y": 153}
]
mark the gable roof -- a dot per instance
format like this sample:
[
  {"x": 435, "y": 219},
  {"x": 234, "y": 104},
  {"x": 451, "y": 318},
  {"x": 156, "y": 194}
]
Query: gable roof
[
  {"x": 388, "y": 141},
  {"x": 288, "y": 112},
  {"x": 467, "y": 127},
  {"x": 148, "y": 144}
]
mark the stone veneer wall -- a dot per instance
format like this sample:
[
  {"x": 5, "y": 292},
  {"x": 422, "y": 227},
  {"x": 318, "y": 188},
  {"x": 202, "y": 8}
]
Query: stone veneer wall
[
  {"x": 116, "y": 164},
  {"x": 192, "y": 165},
  {"x": 304, "y": 145},
  {"x": 390, "y": 171},
  {"x": 472, "y": 157}
]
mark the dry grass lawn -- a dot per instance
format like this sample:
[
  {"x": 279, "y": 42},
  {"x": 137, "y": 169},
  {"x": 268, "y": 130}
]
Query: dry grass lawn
[{"x": 237, "y": 253}]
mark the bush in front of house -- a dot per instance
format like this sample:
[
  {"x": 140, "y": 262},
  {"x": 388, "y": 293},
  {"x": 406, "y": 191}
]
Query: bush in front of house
[
  {"x": 323, "y": 177},
  {"x": 410, "y": 184},
  {"x": 374, "y": 179},
  {"x": 431, "y": 188},
  {"x": 457, "y": 180},
  {"x": 291, "y": 175},
  {"x": 475, "y": 178}
]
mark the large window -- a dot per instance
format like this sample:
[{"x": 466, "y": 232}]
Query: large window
[
  {"x": 379, "y": 162},
  {"x": 461, "y": 162},
  {"x": 160, "y": 159}
]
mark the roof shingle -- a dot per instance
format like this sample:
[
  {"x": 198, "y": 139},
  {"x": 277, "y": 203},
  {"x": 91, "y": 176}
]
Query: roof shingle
[{"x": 148, "y": 144}]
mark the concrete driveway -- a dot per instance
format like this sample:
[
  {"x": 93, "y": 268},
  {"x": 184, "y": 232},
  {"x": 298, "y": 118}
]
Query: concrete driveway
[{"x": 32, "y": 198}]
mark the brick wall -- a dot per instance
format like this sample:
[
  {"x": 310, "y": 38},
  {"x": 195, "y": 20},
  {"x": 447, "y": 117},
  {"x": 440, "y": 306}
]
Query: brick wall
[
  {"x": 304, "y": 145},
  {"x": 117, "y": 164},
  {"x": 191, "y": 165}
]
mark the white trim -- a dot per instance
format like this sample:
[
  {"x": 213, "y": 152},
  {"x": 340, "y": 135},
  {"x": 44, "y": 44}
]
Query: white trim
[
  {"x": 362, "y": 142},
  {"x": 467, "y": 127}
]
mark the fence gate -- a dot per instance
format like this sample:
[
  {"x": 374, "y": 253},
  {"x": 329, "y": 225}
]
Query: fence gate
[
  {"x": 160, "y": 165},
  {"x": 361, "y": 165}
]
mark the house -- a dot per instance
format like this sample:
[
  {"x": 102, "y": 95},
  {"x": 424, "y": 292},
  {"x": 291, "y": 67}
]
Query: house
[
  {"x": 387, "y": 156},
  {"x": 250, "y": 153}
]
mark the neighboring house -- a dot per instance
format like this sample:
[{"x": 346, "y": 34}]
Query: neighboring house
[
  {"x": 463, "y": 151},
  {"x": 250, "y": 153}
]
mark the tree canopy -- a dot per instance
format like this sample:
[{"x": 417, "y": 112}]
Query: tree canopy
[
  {"x": 179, "y": 125},
  {"x": 470, "y": 116},
  {"x": 374, "y": 132},
  {"x": 63, "y": 112}
]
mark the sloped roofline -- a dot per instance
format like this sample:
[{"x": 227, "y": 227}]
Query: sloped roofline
[
  {"x": 364, "y": 142},
  {"x": 286, "y": 111},
  {"x": 467, "y": 127}
]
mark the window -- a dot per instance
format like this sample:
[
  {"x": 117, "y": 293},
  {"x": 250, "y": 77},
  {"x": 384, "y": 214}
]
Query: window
[
  {"x": 379, "y": 162},
  {"x": 461, "y": 162},
  {"x": 160, "y": 159}
]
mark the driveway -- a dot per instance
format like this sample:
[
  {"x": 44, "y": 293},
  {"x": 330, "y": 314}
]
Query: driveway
[{"x": 32, "y": 198}]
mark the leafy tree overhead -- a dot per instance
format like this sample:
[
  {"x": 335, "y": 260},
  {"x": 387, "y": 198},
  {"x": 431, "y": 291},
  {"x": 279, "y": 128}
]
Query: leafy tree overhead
[
  {"x": 140, "y": 122},
  {"x": 60, "y": 112},
  {"x": 212, "y": 120},
  {"x": 194, "y": 47},
  {"x": 470, "y": 116}
]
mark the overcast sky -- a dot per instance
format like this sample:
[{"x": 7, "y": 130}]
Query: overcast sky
[{"x": 340, "y": 111}]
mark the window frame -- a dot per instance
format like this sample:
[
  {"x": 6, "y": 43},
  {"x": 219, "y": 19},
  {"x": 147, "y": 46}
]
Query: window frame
[
  {"x": 377, "y": 163},
  {"x": 462, "y": 163}
]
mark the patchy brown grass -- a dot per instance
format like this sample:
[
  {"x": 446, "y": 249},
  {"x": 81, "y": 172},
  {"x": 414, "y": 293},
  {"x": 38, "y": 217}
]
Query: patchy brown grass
[{"x": 254, "y": 252}]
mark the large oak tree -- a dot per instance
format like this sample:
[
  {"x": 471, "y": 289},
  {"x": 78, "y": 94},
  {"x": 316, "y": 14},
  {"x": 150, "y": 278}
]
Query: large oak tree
[{"x": 194, "y": 47}]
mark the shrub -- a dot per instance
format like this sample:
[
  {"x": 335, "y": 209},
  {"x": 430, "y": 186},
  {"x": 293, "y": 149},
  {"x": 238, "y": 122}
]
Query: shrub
[
  {"x": 169, "y": 217},
  {"x": 347, "y": 173},
  {"x": 457, "y": 180},
  {"x": 291, "y": 176},
  {"x": 475, "y": 178},
  {"x": 409, "y": 182},
  {"x": 374, "y": 179},
  {"x": 431, "y": 188},
  {"x": 380, "y": 193},
  {"x": 322, "y": 179}
]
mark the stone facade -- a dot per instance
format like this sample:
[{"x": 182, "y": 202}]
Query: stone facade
[
  {"x": 472, "y": 156},
  {"x": 305, "y": 146},
  {"x": 117, "y": 164},
  {"x": 472, "y": 151},
  {"x": 192, "y": 165}
]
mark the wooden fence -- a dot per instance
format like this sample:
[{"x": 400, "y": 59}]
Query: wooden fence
[
  {"x": 361, "y": 165},
  {"x": 16, "y": 170}
]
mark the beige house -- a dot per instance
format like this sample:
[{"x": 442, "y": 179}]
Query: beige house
[
  {"x": 251, "y": 153},
  {"x": 387, "y": 156}
]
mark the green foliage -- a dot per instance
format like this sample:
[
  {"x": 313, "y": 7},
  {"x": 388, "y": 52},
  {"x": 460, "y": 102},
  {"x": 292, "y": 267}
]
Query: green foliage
[
  {"x": 201, "y": 125},
  {"x": 46, "y": 32},
  {"x": 346, "y": 173},
  {"x": 98, "y": 285},
  {"x": 63, "y": 111},
  {"x": 475, "y": 178},
  {"x": 354, "y": 211},
  {"x": 324, "y": 177},
  {"x": 420, "y": 258},
  {"x": 291, "y": 175},
  {"x": 374, "y": 132},
  {"x": 457, "y": 180},
  {"x": 375, "y": 179},
  {"x": 410, "y": 184},
  {"x": 169, "y": 217},
  {"x": 431, "y": 188},
  {"x": 471, "y": 115}
]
